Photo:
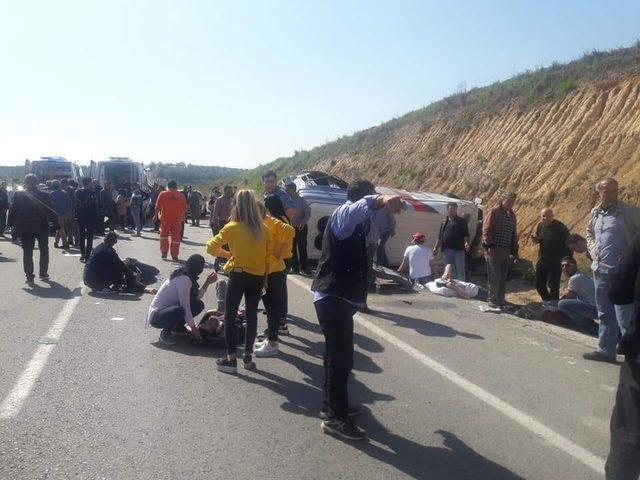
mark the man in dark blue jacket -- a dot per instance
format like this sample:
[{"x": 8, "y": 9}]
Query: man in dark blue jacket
[
  {"x": 104, "y": 269},
  {"x": 340, "y": 288}
]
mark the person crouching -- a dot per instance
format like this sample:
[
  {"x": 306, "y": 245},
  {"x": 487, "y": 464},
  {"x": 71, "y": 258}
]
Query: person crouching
[{"x": 179, "y": 300}]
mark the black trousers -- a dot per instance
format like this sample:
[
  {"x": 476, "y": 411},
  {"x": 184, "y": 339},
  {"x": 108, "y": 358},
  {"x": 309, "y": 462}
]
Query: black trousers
[
  {"x": 85, "y": 237},
  {"x": 300, "y": 249},
  {"x": 548, "y": 273},
  {"x": 250, "y": 286},
  {"x": 172, "y": 318},
  {"x": 623, "y": 462},
  {"x": 28, "y": 243},
  {"x": 195, "y": 216},
  {"x": 274, "y": 302},
  {"x": 336, "y": 320}
]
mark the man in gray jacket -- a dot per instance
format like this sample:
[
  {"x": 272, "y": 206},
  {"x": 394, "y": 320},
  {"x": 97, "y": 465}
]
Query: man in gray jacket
[{"x": 610, "y": 232}]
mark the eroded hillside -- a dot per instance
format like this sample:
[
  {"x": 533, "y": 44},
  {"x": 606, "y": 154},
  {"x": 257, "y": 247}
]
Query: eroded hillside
[
  {"x": 552, "y": 155},
  {"x": 549, "y": 135}
]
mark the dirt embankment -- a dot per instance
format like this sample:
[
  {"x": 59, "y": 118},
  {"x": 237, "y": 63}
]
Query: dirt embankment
[{"x": 551, "y": 154}]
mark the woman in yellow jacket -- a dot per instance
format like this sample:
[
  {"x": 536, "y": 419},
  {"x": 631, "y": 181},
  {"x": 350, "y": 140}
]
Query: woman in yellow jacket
[
  {"x": 249, "y": 244},
  {"x": 275, "y": 298}
]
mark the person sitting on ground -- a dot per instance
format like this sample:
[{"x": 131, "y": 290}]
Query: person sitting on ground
[
  {"x": 448, "y": 286},
  {"x": 418, "y": 259},
  {"x": 579, "y": 301},
  {"x": 105, "y": 270},
  {"x": 179, "y": 300}
]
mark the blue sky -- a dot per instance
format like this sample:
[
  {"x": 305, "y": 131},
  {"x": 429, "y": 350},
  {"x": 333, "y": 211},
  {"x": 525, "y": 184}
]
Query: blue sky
[{"x": 242, "y": 83}]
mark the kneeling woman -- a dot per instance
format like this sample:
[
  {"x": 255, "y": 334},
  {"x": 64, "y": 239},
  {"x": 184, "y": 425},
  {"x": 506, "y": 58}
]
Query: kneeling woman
[
  {"x": 247, "y": 265},
  {"x": 179, "y": 300},
  {"x": 275, "y": 298}
]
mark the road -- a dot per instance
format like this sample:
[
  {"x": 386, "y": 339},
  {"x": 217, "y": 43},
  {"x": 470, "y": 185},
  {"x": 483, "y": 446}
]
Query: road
[{"x": 446, "y": 392}]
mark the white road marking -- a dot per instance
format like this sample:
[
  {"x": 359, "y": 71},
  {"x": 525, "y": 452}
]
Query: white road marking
[
  {"x": 523, "y": 419},
  {"x": 12, "y": 404}
]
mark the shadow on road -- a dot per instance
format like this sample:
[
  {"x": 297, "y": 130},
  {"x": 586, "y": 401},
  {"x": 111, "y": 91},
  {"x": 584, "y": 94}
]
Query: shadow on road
[
  {"x": 422, "y": 326},
  {"x": 7, "y": 259},
  {"x": 455, "y": 459},
  {"x": 185, "y": 347},
  {"x": 365, "y": 343},
  {"x": 127, "y": 297},
  {"x": 54, "y": 290}
]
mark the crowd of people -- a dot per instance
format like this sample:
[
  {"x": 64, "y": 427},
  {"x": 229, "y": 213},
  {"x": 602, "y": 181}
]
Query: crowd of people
[{"x": 258, "y": 241}]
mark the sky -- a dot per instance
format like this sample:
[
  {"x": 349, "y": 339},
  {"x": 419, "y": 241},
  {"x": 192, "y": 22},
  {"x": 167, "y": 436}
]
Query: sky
[{"x": 242, "y": 83}]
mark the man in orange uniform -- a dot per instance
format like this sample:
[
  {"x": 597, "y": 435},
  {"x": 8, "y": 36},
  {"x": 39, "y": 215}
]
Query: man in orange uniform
[{"x": 171, "y": 208}]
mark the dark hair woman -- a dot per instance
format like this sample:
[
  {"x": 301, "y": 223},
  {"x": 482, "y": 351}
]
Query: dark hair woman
[{"x": 179, "y": 300}]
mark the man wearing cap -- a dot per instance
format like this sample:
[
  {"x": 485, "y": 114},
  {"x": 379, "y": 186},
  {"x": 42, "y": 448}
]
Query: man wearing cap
[
  {"x": 418, "y": 259},
  {"x": 500, "y": 240},
  {"x": 299, "y": 222}
]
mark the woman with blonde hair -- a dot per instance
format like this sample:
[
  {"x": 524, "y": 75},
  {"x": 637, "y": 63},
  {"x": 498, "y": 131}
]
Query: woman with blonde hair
[{"x": 248, "y": 242}]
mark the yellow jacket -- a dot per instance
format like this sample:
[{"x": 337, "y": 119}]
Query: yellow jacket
[
  {"x": 245, "y": 251},
  {"x": 281, "y": 238}
]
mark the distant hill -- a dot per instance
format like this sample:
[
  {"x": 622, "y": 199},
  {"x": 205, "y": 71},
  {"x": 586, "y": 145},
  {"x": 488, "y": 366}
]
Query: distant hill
[{"x": 547, "y": 134}]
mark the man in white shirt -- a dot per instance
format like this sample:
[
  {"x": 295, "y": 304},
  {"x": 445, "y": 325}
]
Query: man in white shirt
[
  {"x": 418, "y": 258},
  {"x": 447, "y": 286}
]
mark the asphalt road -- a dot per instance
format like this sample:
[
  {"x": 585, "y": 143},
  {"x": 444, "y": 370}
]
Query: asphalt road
[{"x": 446, "y": 392}]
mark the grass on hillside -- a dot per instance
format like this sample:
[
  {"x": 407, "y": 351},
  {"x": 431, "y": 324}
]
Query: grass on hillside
[{"x": 529, "y": 88}]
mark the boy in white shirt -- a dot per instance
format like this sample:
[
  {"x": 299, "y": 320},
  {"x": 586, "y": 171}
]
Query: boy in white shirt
[{"x": 418, "y": 258}]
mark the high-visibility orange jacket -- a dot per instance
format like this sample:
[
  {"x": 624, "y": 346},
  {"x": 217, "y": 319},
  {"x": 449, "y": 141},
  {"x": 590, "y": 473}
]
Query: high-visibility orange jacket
[{"x": 171, "y": 205}]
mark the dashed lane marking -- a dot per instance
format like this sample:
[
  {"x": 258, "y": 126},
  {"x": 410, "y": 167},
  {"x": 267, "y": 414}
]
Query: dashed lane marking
[{"x": 13, "y": 402}]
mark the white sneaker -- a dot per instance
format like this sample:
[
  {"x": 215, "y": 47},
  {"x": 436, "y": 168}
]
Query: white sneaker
[
  {"x": 259, "y": 343},
  {"x": 266, "y": 350}
]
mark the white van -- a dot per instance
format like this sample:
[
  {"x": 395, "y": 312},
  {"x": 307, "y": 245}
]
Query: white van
[
  {"x": 53, "y": 168},
  {"x": 119, "y": 171},
  {"x": 424, "y": 211}
]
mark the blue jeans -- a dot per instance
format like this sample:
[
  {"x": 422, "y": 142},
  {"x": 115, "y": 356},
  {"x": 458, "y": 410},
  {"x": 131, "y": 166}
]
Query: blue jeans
[
  {"x": 581, "y": 313},
  {"x": 613, "y": 318},
  {"x": 456, "y": 258},
  {"x": 381, "y": 253}
]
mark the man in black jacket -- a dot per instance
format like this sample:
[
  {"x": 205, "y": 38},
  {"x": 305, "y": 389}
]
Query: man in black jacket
[
  {"x": 340, "y": 288},
  {"x": 30, "y": 214},
  {"x": 551, "y": 235},
  {"x": 624, "y": 457}
]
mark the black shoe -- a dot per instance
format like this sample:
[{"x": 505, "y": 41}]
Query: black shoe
[
  {"x": 248, "y": 363},
  {"x": 83, "y": 260},
  {"x": 598, "y": 357},
  {"x": 167, "y": 338},
  {"x": 164, "y": 256},
  {"x": 283, "y": 329},
  {"x": 227, "y": 366},
  {"x": 30, "y": 280},
  {"x": 44, "y": 277},
  {"x": 325, "y": 415},
  {"x": 345, "y": 429}
]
